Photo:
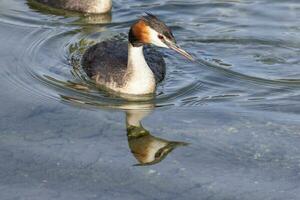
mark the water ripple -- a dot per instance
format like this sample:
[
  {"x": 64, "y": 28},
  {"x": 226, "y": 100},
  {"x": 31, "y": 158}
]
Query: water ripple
[{"x": 232, "y": 64}]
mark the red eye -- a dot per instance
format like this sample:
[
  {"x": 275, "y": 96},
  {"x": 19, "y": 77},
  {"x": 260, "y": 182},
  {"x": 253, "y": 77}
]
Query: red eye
[{"x": 160, "y": 37}]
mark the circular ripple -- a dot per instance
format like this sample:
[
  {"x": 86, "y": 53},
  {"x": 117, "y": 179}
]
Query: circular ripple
[{"x": 232, "y": 65}]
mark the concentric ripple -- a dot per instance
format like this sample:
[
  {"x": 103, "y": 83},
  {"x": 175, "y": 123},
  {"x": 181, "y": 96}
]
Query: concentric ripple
[{"x": 237, "y": 60}]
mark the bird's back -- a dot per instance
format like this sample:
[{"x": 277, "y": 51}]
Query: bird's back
[{"x": 107, "y": 61}]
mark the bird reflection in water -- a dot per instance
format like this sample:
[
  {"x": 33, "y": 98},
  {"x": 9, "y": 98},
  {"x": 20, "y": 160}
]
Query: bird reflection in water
[{"x": 146, "y": 148}]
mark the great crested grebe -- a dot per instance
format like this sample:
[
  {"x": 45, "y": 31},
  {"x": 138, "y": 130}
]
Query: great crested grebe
[
  {"x": 122, "y": 67},
  {"x": 86, "y": 6}
]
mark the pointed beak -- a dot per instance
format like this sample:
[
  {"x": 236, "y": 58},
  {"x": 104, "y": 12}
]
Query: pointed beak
[{"x": 179, "y": 50}]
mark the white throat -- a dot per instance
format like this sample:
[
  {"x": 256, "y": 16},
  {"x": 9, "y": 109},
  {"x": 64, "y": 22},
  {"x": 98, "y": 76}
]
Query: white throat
[{"x": 139, "y": 77}]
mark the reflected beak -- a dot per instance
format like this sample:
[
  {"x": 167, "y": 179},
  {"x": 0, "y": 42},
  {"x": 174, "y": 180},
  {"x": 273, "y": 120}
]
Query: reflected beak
[{"x": 180, "y": 51}]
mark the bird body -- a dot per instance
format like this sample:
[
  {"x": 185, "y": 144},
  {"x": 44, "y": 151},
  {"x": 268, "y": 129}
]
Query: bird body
[
  {"x": 129, "y": 67},
  {"x": 86, "y": 6},
  {"x": 126, "y": 70}
]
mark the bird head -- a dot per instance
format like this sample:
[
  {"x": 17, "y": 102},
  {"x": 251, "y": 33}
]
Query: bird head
[{"x": 151, "y": 30}]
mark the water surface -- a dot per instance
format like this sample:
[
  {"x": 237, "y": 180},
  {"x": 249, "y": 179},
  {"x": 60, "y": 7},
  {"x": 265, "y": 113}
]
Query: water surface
[{"x": 237, "y": 108}]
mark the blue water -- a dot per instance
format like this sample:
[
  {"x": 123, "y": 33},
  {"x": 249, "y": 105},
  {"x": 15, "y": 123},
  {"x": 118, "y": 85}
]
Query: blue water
[{"x": 237, "y": 107}]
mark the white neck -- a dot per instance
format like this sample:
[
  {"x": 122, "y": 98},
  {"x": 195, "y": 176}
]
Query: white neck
[{"x": 140, "y": 78}]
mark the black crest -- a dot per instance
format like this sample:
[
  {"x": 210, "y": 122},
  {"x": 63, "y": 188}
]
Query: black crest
[{"x": 158, "y": 25}]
